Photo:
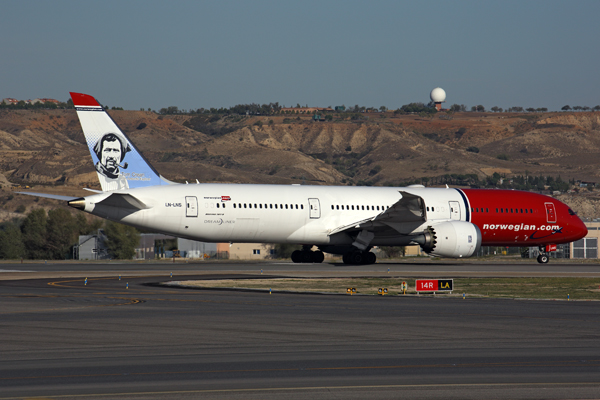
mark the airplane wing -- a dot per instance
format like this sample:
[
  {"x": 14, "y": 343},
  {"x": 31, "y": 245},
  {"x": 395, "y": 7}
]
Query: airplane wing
[{"x": 403, "y": 217}]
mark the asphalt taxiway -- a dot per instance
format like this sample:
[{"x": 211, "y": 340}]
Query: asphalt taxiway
[{"x": 62, "y": 338}]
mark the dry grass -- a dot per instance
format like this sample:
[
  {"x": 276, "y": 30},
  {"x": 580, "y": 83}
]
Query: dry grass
[{"x": 538, "y": 288}]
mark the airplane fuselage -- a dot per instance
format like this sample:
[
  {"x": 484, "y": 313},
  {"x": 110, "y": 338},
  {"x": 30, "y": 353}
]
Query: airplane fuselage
[{"x": 309, "y": 214}]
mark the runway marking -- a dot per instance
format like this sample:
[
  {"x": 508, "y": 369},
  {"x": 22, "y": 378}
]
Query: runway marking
[
  {"x": 14, "y": 270},
  {"x": 128, "y": 302},
  {"x": 308, "y": 388},
  {"x": 139, "y": 292},
  {"x": 558, "y": 363}
]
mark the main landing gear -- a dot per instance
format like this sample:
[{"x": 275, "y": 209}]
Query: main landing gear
[
  {"x": 307, "y": 256},
  {"x": 359, "y": 258},
  {"x": 543, "y": 257}
]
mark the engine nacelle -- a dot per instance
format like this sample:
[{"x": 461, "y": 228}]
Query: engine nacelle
[{"x": 452, "y": 239}]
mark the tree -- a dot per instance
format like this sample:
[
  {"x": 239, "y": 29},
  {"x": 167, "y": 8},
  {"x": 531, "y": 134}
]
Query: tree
[
  {"x": 597, "y": 108},
  {"x": 480, "y": 108},
  {"x": 121, "y": 240},
  {"x": 62, "y": 232},
  {"x": 530, "y": 109},
  {"x": 495, "y": 109},
  {"x": 11, "y": 242},
  {"x": 566, "y": 108},
  {"x": 417, "y": 108},
  {"x": 34, "y": 235}
]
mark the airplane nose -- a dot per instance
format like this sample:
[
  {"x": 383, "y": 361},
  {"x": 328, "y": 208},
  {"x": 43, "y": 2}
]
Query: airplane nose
[{"x": 579, "y": 229}]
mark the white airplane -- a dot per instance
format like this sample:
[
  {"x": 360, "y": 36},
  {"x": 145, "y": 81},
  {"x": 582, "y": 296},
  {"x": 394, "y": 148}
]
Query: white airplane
[{"x": 342, "y": 220}]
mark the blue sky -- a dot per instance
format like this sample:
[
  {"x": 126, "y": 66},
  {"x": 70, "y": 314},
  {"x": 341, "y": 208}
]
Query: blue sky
[{"x": 192, "y": 54}]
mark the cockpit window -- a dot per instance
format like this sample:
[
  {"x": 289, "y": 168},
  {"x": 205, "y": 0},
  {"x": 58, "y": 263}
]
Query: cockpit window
[{"x": 571, "y": 212}]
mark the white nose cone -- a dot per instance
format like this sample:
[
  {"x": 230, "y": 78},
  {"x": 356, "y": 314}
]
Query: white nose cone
[{"x": 438, "y": 95}]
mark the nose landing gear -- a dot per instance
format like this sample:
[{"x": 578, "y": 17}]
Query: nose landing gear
[{"x": 543, "y": 257}]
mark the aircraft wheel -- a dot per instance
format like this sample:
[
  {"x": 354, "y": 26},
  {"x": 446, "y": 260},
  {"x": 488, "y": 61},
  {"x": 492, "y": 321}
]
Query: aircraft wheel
[
  {"x": 358, "y": 258},
  {"x": 317, "y": 257},
  {"x": 297, "y": 256},
  {"x": 306, "y": 257},
  {"x": 346, "y": 258},
  {"x": 543, "y": 259},
  {"x": 371, "y": 258}
]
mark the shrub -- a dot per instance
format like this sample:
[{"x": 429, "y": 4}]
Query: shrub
[{"x": 473, "y": 149}]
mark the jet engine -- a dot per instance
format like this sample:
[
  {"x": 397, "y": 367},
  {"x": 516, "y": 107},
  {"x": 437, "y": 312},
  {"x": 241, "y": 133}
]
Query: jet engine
[{"x": 455, "y": 239}]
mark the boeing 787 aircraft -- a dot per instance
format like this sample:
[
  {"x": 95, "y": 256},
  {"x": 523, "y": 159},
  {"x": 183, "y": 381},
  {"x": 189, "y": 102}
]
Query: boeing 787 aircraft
[{"x": 346, "y": 220}]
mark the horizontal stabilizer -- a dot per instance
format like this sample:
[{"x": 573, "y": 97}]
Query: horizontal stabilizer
[
  {"x": 93, "y": 190},
  {"x": 50, "y": 196},
  {"x": 123, "y": 200}
]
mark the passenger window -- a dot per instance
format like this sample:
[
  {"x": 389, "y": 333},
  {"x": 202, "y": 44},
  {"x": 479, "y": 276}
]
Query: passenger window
[
  {"x": 223, "y": 205},
  {"x": 296, "y": 206},
  {"x": 496, "y": 210},
  {"x": 286, "y": 207},
  {"x": 337, "y": 207},
  {"x": 432, "y": 209},
  {"x": 487, "y": 210},
  {"x": 233, "y": 205},
  {"x": 255, "y": 206},
  {"x": 302, "y": 206},
  {"x": 260, "y": 205},
  {"x": 352, "y": 208},
  {"x": 276, "y": 206},
  {"x": 481, "y": 209},
  {"x": 217, "y": 205},
  {"x": 244, "y": 205}
]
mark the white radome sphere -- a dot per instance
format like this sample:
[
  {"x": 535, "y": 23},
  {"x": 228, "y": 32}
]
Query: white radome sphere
[{"x": 438, "y": 95}]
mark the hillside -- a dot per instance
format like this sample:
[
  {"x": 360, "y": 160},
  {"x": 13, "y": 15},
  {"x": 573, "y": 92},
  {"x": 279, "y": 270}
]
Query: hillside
[{"x": 47, "y": 148}]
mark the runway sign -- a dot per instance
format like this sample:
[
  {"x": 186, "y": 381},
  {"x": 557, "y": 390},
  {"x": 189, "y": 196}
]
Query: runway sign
[{"x": 434, "y": 285}]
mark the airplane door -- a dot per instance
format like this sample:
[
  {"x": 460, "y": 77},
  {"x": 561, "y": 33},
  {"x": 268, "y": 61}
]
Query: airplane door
[
  {"x": 550, "y": 213},
  {"x": 454, "y": 210},
  {"x": 191, "y": 206},
  {"x": 315, "y": 208}
]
